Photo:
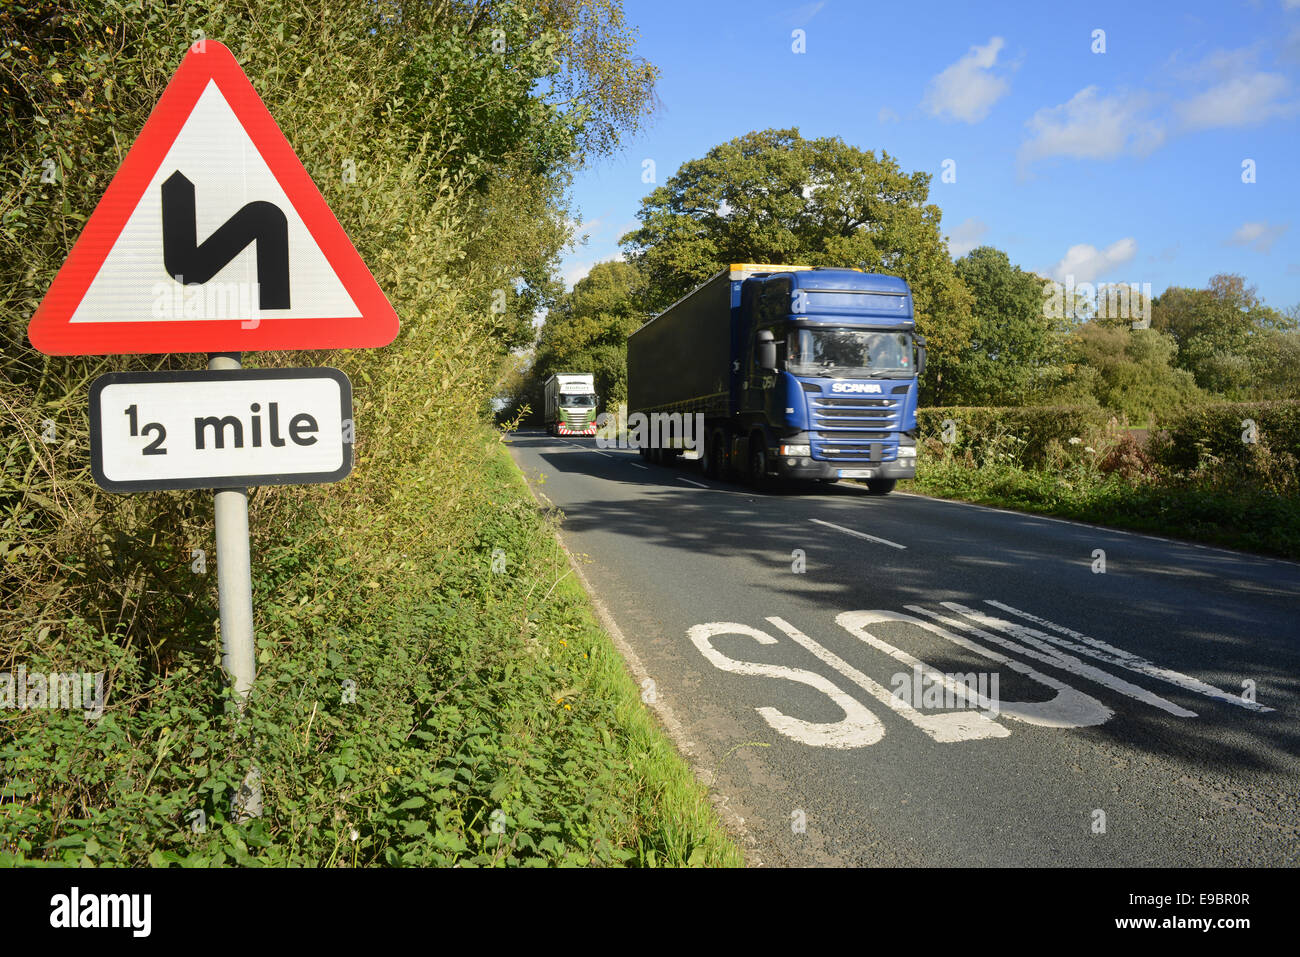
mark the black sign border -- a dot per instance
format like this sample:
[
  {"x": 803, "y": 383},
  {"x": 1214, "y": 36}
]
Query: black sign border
[{"x": 220, "y": 482}]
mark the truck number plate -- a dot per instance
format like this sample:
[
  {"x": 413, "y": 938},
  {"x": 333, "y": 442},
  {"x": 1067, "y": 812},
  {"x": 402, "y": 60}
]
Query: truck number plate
[{"x": 857, "y": 473}]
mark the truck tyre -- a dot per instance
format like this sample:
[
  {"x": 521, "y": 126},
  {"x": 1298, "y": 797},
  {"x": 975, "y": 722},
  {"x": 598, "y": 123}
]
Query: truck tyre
[
  {"x": 758, "y": 463},
  {"x": 881, "y": 486},
  {"x": 712, "y": 463}
]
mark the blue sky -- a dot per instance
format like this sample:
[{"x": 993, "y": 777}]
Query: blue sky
[{"x": 1121, "y": 166}]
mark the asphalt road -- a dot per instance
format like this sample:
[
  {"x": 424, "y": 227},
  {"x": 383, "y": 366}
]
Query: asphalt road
[{"x": 1144, "y": 714}]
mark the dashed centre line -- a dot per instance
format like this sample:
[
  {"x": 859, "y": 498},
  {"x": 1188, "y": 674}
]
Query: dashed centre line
[{"x": 857, "y": 534}]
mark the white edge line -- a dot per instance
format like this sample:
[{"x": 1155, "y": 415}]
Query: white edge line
[
  {"x": 1102, "y": 528},
  {"x": 693, "y": 482},
  {"x": 857, "y": 534}
]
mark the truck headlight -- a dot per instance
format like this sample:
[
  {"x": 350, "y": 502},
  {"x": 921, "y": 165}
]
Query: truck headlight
[
  {"x": 804, "y": 450},
  {"x": 907, "y": 451}
]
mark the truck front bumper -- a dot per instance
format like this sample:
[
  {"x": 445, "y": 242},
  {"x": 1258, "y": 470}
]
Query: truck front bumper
[
  {"x": 902, "y": 464},
  {"x": 795, "y": 467}
]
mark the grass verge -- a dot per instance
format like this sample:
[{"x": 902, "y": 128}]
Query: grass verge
[
  {"x": 1245, "y": 518},
  {"x": 463, "y": 709}
]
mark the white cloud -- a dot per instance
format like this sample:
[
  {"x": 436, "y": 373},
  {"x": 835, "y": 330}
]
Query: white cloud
[
  {"x": 1258, "y": 236},
  {"x": 577, "y": 271},
  {"x": 1091, "y": 127},
  {"x": 1223, "y": 89},
  {"x": 966, "y": 236},
  {"x": 1086, "y": 263},
  {"x": 967, "y": 89},
  {"x": 1240, "y": 101},
  {"x": 886, "y": 115}
]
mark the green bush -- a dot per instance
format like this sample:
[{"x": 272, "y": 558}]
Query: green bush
[
  {"x": 1213, "y": 434},
  {"x": 1022, "y": 435}
]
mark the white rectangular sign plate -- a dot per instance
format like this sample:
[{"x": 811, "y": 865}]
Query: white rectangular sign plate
[{"x": 220, "y": 428}]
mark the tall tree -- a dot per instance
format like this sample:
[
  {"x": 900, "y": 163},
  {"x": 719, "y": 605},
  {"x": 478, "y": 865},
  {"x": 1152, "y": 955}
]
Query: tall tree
[
  {"x": 1214, "y": 329},
  {"x": 774, "y": 197},
  {"x": 1016, "y": 345},
  {"x": 587, "y": 330},
  {"x": 1126, "y": 370}
]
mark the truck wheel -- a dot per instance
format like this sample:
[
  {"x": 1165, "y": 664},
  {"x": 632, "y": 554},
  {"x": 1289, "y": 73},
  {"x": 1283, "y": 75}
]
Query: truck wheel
[
  {"x": 881, "y": 486},
  {"x": 712, "y": 463},
  {"x": 758, "y": 464}
]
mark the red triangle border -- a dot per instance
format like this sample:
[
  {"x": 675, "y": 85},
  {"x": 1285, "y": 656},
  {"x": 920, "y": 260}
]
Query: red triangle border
[{"x": 51, "y": 330}]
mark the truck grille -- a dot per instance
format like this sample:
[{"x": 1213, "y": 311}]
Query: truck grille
[
  {"x": 576, "y": 423},
  {"x": 856, "y": 428},
  {"x": 855, "y": 412},
  {"x": 853, "y": 447}
]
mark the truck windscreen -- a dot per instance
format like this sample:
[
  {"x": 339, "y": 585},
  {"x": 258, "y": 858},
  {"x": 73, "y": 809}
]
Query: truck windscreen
[
  {"x": 862, "y": 353},
  {"x": 577, "y": 399}
]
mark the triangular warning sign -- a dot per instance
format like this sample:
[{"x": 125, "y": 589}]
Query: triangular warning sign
[{"x": 212, "y": 237}]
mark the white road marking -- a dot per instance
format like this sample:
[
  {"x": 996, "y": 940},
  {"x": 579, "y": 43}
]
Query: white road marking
[
  {"x": 1118, "y": 656},
  {"x": 692, "y": 482},
  {"x": 857, "y": 729},
  {"x": 588, "y": 449},
  {"x": 1239, "y": 556},
  {"x": 636, "y": 466},
  {"x": 1069, "y": 708},
  {"x": 944, "y": 728},
  {"x": 1053, "y": 655},
  {"x": 857, "y": 534}
]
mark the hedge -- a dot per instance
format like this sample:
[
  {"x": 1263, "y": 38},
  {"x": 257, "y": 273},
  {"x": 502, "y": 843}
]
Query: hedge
[
  {"x": 1220, "y": 430},
  {"x": 1023, "y": 433}
]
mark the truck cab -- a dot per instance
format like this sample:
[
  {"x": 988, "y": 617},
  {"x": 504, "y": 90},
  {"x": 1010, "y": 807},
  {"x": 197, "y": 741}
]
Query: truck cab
[
  {"x": 570, "y": 404},
  {"x": 826, "y": 383}
]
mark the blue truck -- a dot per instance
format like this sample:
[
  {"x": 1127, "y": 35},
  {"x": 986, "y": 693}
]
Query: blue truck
[{"x": 780, "y": 374}]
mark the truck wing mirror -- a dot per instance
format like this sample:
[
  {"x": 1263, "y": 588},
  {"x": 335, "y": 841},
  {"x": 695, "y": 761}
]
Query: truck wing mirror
[
  {"x": 766, "y": 351},
  {"x": 920, "y": 354}
]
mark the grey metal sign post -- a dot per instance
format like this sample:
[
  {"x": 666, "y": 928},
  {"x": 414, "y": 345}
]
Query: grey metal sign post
[
  {"x": 235, "y": 604},
  {"x": 234, "y": 571}
]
